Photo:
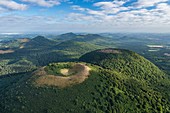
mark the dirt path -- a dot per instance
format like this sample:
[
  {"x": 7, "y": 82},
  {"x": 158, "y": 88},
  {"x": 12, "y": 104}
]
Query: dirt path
[{"x": 81, "y": 73}]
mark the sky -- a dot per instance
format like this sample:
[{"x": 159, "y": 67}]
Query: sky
[{"x": 93, "y": 16}]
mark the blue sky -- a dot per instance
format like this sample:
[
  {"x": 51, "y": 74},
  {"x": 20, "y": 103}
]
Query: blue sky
[{"x": 95, "y": 16}]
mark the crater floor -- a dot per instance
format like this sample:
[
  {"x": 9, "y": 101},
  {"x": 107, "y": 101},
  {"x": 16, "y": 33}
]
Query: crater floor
[{"x": 77, "y": 74}]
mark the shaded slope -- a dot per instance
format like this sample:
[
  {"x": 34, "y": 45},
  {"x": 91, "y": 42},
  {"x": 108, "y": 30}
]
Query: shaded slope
[{"x": 39, "y": 41}]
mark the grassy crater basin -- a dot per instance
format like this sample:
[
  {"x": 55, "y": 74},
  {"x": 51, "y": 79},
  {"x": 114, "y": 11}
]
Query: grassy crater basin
[{"x": 62, "y": 74}]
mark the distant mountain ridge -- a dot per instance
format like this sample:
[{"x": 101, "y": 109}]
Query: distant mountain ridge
[{"x": 66, "y": 36}]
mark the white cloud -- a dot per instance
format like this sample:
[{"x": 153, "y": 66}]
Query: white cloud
[
  {"x": 97, "y": 13},
  {"x": 44, "y": 3},
  {"x": 111, "y": 7},
  {"x": 78, "y": 8},
  {"x": 2, "y": 10},
  {"x": 114, "y": 15},
  {"x": 105, "y": 17},
  {"x": 163, "y": 7},
  {"x": 105, "y": 8},
  {"x": 105, "y": 5},
  {"x": 148, "y": 3},
  {"x": 10, "y": 4},
  {"x": 17, "y": 23},
  {"x": 80, "y": 18}
]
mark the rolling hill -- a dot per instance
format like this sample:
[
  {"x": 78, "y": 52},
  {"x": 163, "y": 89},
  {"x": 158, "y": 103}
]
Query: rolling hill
[
  {"x": 66, "y": 36},
  {"x": 39, "y": 41}
]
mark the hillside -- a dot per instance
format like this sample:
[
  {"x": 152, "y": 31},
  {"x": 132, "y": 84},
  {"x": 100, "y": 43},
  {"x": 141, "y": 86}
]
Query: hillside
[
  {"x": 39, "y": 41},
  {"x": 66, "y": 36},
  {"x": 110, "y": 86},
  {"x": 77, "y": 48},
  {"x": 41, "y": 51},
  {"x": 86, "y": 38},
  {"x": 124, "y": 61},
  {"x": 14, "y": 44},
  {"x": 78, "y": 37}
]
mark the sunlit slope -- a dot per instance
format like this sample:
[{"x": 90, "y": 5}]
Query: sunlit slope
[{"x": 124, "y": 61}]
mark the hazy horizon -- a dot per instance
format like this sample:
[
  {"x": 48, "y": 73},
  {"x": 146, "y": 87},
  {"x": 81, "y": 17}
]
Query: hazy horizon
[{"x": 58, "y": 33}]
